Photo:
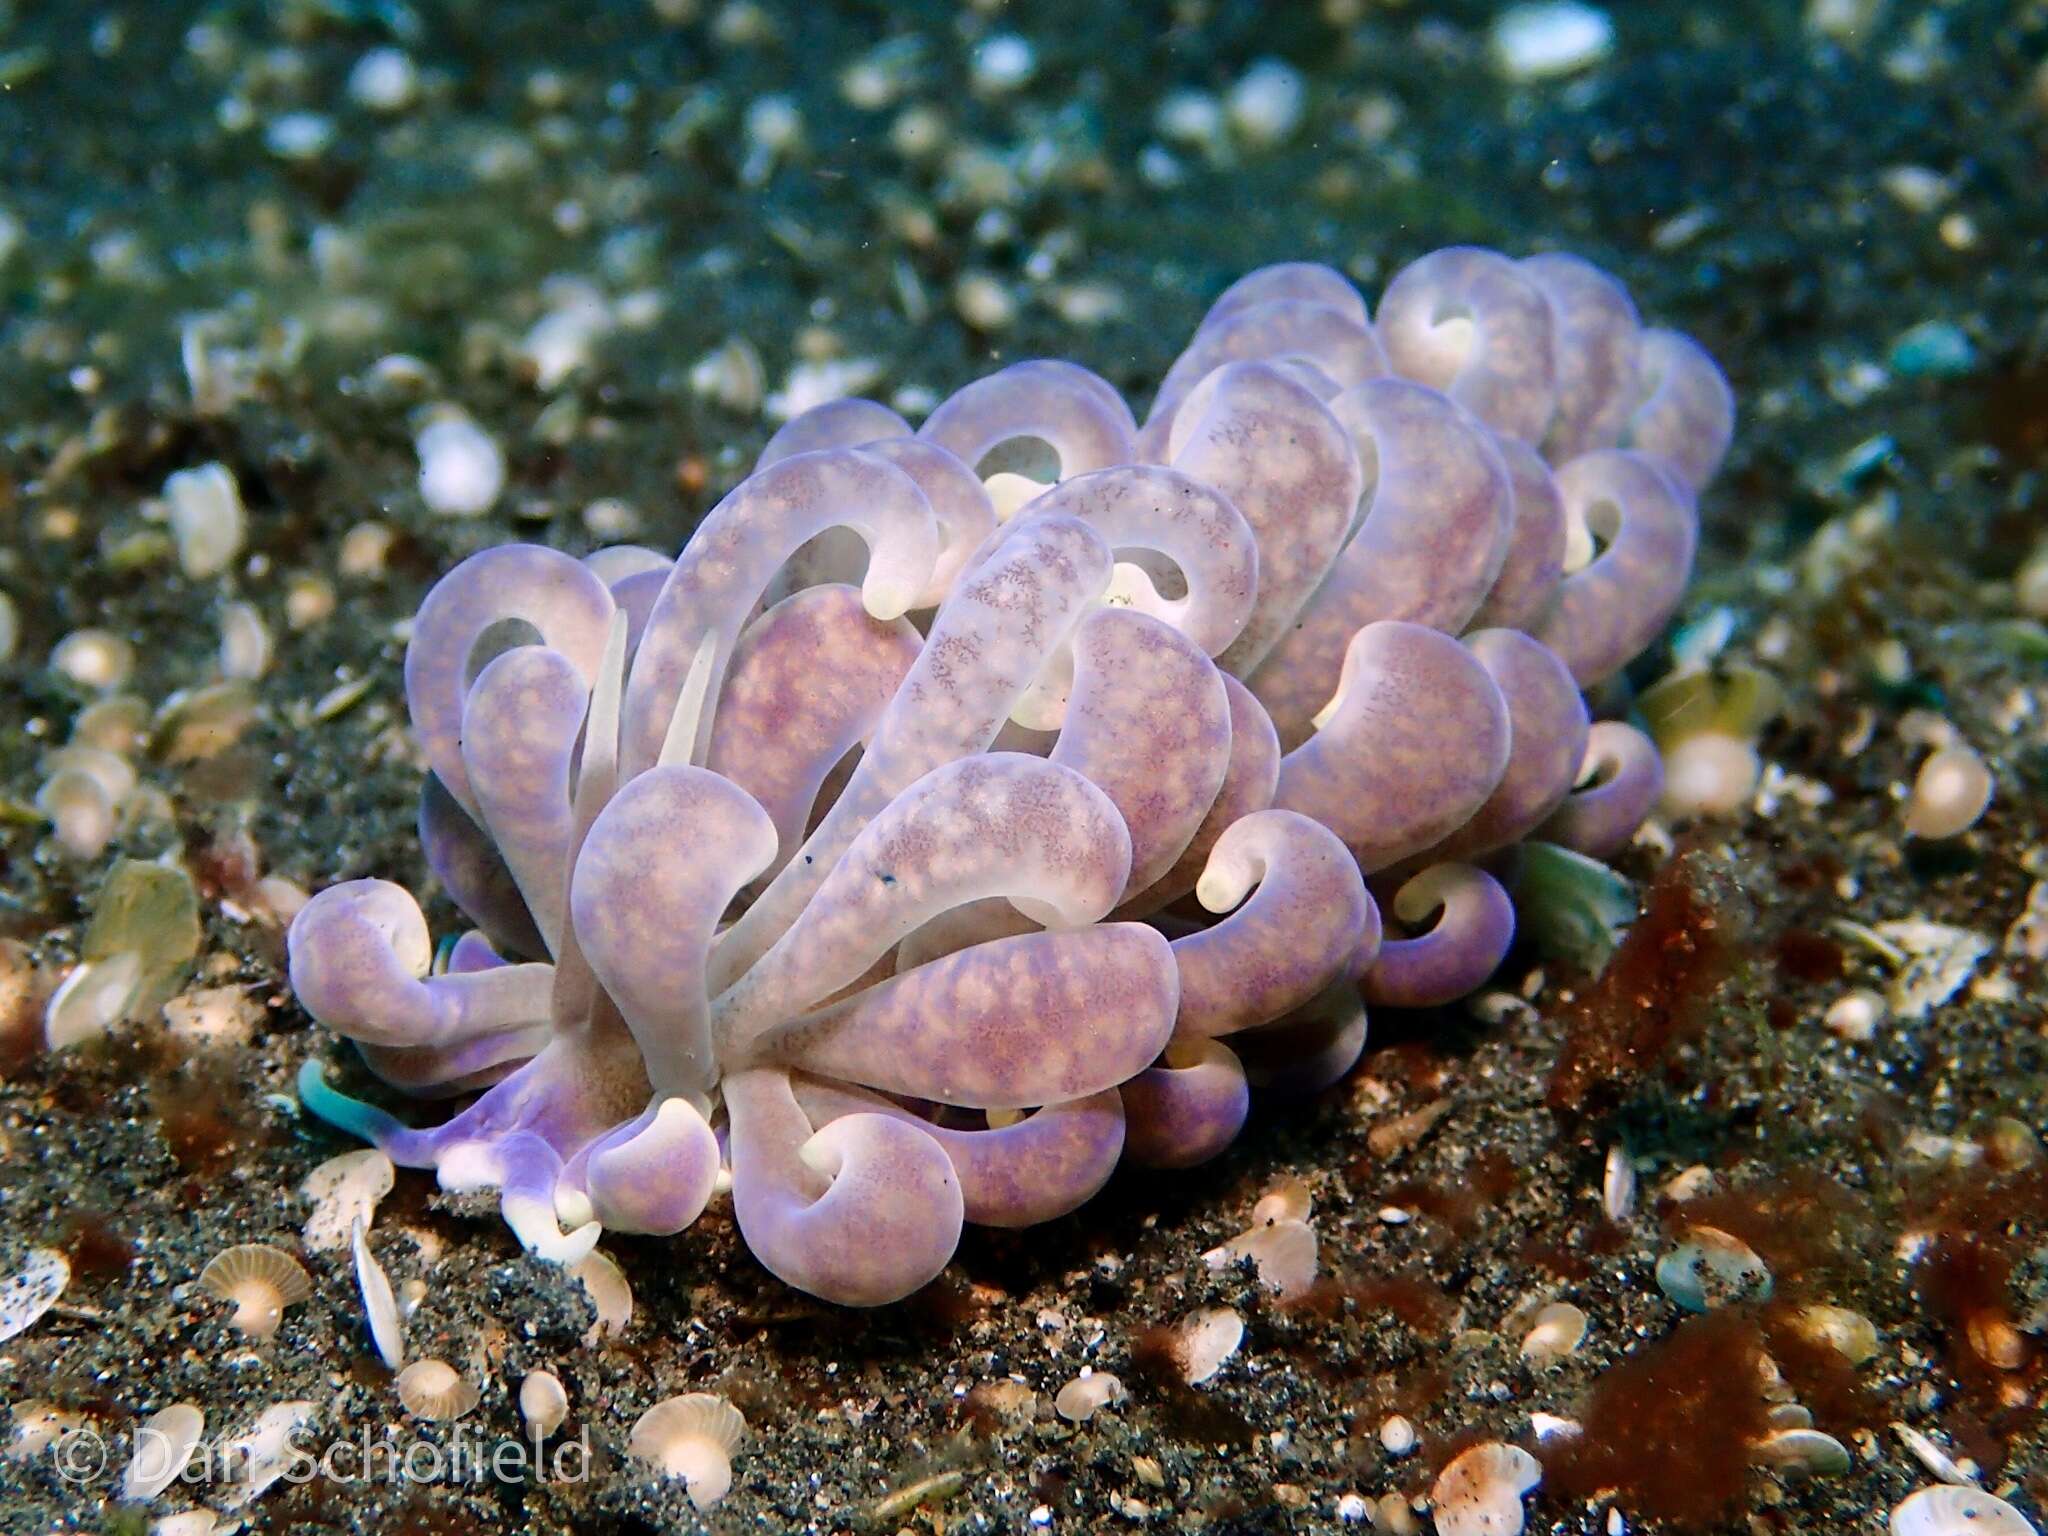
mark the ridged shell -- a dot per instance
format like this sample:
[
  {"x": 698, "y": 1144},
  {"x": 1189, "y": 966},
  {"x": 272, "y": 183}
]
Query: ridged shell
[
  {"x": 260, "y": 1281},
  {"x": 434, "y": 1389}
]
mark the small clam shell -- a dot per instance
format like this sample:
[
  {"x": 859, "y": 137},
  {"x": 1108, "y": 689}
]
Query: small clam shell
[
  {"x": 1806, "y": 1449},
  {"x": 1851, "y": 1334},
  {"x": 163, "y": 1444},
  {"x": 1077, "y": 1401},
  {"x": 1710, "y": 1268},
  {"x": 260, "y": 1281},
  {"x": 1558, "y": 1330},
  {"x": 32, "y": 1291},
  {"x": 1946, "y": 1510},
  {"x": 543, "y": 1403},
  {"x": 1205, "y": 1341},
  {"x": 1480, "y": 1492},
  {"x": 434, "y": 1389},
  {"x": 1283, "y": 1251},
  {"x": 692, "y": 1437}
]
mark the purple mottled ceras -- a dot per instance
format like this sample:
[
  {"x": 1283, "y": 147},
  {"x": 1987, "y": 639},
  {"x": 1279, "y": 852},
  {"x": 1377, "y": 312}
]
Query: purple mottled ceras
[{"x": 914, "y": 845}]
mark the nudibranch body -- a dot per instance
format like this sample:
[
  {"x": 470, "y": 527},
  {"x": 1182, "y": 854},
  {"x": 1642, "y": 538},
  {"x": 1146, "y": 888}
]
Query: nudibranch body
[{"x": 902, "y": 855}]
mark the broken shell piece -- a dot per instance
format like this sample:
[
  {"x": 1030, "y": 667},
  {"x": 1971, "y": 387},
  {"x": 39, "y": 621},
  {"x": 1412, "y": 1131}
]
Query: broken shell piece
[
  {"x": 1946, "y": 1510},
  {"x": 1934, "y": 1458},
  {"x": 32, "y": 1290},
  {"x": 344, "y": 1190},
  {"x": 434, "y": 1389},
  {"x": 605, "y": 1284},
  {"x": 1711, "y": 1268},
  {"x": 380, "y": 1307},
  {"x": 543, "y": 1403},
  {"x": 1558, "y": 1331},
  {"x": 1206, "y": 1340},
  {"x": 1078, "y": 1400},
  {"x": 1284, "y": 1253},
  {"x": 260, "y": 1281},
  {"x": 163, "y": 1444},
  {"x": 1618, "y": 1186},
  {"x": 1480, "y": 1492},
  {"x": 692, "y": 1437},
  {"x": 1808, "y": 1450},
  {"x": 264, "y": 1452},
  {"x": 190, "y": 1522}
]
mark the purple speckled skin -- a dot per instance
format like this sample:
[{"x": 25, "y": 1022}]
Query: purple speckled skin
[{"x": 896, "y": 867}]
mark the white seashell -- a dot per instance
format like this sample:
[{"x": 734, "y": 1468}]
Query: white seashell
[
  {"x": 1206, "y": 1340},
  {"x": 1850, "y": 1333},
  {"x": 1946, "y": 1510},
  {"x": 94, "y": 658},
  {"x": 380, "y": 1307},
  {"x": 1558, "y": 1331},
  {"x": 731, "y": 376},
  {"x": 260, "y": 1281},
  {"x": 1618, "y": 1186},
  {"x": 434, "y": 1389},
  {"x": 1790, "y": 1416},
  {"x": 462, "y": 468},
  {"x": 1284, "y": 1253},
  {"x": 1809, "y": 1450},
  {"x": 1286, "y": 1201},
  {"x": 1710, "y": 1268},
  {"x": 38, "y": 1426},
  {"x": 244, "y": 642},
  {"x": 1480, "y": 1492},
  {"x": 207, "y": 519},
  {"x": 163, "y": 1445},
  {"x": 384, "y": 80},
  {"x": 692, "y": 1437},
  {"x": 93, "y": 999},
  {"x": 1267, "y": 103},
  {"x": 1078, "y": 1400},
  {"x": 543, "y": 1403},
  {"x": 1950, "y": 795},
  {"x": 190, "y": 1522},
  {"x": 605, "y": 1284},
  {"x": 32, "y": 1290},
  {"x": 1549, "y": 39},
  {"x": 1397, "y": 1435},
  {"x": 344, "y": 1190}
]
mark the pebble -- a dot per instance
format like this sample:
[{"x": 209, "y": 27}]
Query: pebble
[{"x": 1934, "y": 349}]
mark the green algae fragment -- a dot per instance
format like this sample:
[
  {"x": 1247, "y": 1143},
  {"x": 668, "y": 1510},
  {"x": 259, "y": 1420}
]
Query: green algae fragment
[{"x": 1572, "y": 907}]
